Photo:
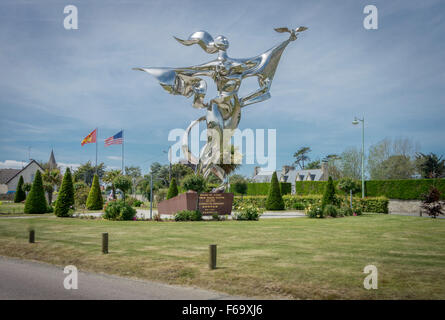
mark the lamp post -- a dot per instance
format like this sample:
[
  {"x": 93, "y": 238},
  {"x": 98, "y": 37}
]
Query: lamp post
[{"x": 356, "y": 122}]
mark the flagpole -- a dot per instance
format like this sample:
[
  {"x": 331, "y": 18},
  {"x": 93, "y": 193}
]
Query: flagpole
[
  {"x": 123, "y": 152},
  {"x": 97, "y": 138}
]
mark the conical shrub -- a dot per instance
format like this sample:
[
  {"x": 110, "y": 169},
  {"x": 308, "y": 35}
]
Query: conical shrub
[
  {"x": 20, "y": 194},
  {"x": 172, "y": 189},
  {"x": 274, "y": 200},
  {"x": 36, "y": 201},
  {"x": 329, "y": 194},
  {"x": 65, "y": 199},
  {"x": 95, "y": 200}
]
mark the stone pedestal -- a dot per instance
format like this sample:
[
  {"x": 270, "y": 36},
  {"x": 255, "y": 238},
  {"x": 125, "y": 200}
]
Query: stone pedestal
[{"x": 209, "y": 203}]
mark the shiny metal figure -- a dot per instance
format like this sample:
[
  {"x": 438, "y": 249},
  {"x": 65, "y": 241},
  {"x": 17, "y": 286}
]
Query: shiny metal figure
[{"x": 223, "y": 112}]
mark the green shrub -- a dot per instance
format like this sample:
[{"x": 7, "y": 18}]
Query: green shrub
[
  {"x": 81, "y": 191},
  {"x": 314, "y": 211},
  {"x": 248, "y": 212},
  {"x": 172, "y": 189},
  {"x": 137, "y": 203},
  {"x": 194, "y": 182},
  {"x": 188, "y": 215},
  {"x": 345, "y": 211},
  {"x": 330, "y": 210},
  {"x": 36, "y": 201},
  {"x": 20, "y": 194},
  {"x": 357, "y": 211},
  {"x": 329, "y": 194},
  {"x": 95, "y": 200},
  {"x": 65, "y": 199},
  {"x": 119, "y": 210},
  {"x": 274, "y": 200}
]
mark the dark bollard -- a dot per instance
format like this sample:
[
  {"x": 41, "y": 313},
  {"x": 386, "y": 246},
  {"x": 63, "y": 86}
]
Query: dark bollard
[
  {"x": 105, "y": 242},
  {"x": 31, "y": 236},
  {"x": 212, "y": 256}
]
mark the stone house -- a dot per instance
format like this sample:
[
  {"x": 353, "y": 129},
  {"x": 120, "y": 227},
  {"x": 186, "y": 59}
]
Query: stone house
[{"x": 291, "y": 174}]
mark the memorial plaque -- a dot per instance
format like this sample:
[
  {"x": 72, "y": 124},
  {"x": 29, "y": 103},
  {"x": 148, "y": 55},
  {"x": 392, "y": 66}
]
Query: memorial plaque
[{"x": 211, "y": 203}]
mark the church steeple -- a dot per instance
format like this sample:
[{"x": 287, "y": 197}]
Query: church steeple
[{"x": 52, "y": 161}]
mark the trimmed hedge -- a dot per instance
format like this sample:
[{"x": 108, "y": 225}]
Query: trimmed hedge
[
  {"x": 292, "y": 202},
  {"x": 262, "y": 188},
  {"x": 95, "y": 200},
  {"x": 65, "y": 199},
  {"x": 391, "y": 189},
  {"x": 36, "y": 201},
  {"x": 274, "y": 199},
  {"x": 403, "y": 189},
  {"x": 20, "y": 194}
]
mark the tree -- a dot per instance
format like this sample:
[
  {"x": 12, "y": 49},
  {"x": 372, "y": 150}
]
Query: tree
[
  {"x": 51, "y": 178},
  {"x": 123, "y": 183},
  {"x": 81, "y": 192},
  {"x": 240, "y": 187},
  {"x": 133, "y": 172},
  {"x": 65, "y": 199},
  {"x": 172, "y": 189},
  {"x": 95, "y": 200},
  {"x": 180, "y": 170},
  {"x": 109, "y": 178},
  {"x": 274, "y": 199},
  {"x": 20, "y": 194},
  {"x": 397, "y": 167},
  {"x": 380, "y": 169},
  {"x": 314, "y": 164},
  {"x": 87, "y": 171},
  {"x": 430, "y": 165},
  {"x": 329, "y": 194},
  {"x": 347, "y": 185},
  {"x": 301, "y": 156},
  {"x": 431, "y": 202},
  {"x": 351, "y": 163},
  {"x": 194, "y": 182},
  {"x": 36, "y": 201},
  {"x": 332, "y": 164}
]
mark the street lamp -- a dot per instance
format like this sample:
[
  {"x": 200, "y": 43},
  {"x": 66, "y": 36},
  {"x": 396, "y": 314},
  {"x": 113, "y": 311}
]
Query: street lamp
[{"x": 356, "y": 122}]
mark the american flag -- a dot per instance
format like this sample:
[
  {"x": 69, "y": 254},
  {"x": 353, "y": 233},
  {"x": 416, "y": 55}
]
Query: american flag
[{"x": 116, "y": 139}]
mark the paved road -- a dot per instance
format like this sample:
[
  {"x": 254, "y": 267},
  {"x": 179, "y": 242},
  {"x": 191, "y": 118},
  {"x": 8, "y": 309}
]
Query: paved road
[{"x": 27, "y": 280}]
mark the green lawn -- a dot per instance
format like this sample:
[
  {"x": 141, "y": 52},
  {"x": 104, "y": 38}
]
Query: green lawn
[
  {"x": 298, "y": 258},
  {"x": 16, "y": 209}
]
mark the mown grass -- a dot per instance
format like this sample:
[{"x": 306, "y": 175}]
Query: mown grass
[
  {"x": 17, "y": 209},
  {"x": 275, "y": 258}
]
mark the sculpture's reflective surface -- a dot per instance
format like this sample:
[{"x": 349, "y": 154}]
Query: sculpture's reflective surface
[{"x": 223, "y": 112}]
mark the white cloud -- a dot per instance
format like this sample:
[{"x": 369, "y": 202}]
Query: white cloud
[
  {"x": 114, "y": 158},
  {"x": 12, "y": 164}
]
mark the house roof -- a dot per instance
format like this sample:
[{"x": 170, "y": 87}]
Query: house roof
[
  {"x": 290, "y": 176},
  {"x": 6, "y": 174},
  {"x": 19, "y": 171}
]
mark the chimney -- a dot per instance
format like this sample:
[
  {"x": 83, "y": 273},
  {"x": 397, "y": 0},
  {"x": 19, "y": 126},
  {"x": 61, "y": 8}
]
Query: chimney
[{"x": 324, "y": 170}]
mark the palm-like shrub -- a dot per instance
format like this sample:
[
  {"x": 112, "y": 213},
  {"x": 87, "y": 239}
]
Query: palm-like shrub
[
  {"x": 274, "y": 200},
  {"x": 95, "y": 200},
  {"x": 20, "y": 194},
  {"x": 36, "y": 201},
  {"x": 431, "y": 202},
  {"x": 65, "y": 199},
  {"x": 172, "y": 189},
  {"x": 330, "y": 210}
]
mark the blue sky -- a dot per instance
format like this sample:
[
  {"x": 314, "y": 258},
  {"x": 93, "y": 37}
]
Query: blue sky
[{"x": 57, "y": 85}]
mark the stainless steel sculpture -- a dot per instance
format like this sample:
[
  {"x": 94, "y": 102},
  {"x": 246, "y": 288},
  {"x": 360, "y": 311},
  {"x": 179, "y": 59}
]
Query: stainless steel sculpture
[{"x": 223, "y": 111}]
